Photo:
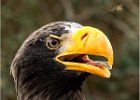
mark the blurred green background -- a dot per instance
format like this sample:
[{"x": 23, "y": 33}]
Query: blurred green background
[{"x": 117, "y": 18}]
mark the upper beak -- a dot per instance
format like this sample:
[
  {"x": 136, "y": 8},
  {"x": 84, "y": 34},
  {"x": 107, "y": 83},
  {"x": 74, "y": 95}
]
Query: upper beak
[{"x": 88, "y": 40}]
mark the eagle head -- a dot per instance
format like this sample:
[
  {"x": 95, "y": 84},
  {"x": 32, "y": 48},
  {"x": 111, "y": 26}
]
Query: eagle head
[{"x": 53, "y": 61}]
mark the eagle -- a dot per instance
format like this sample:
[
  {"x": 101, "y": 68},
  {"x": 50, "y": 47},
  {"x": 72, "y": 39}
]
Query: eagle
[{"x": 53, "y": 62}]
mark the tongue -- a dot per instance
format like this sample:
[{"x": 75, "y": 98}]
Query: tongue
[
  {"x": 95, "y": 63},
  {"x": 99, "y": 63}
]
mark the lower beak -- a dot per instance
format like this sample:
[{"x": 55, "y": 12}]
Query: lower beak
[{"x": 88, "y": 41}]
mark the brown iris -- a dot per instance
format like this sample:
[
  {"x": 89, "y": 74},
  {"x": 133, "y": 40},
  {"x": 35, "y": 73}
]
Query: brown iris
[{"x": 53, "y": 42}]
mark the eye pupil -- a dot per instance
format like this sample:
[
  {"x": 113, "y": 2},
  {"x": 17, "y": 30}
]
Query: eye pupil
[{"x": 54, "y": 42}]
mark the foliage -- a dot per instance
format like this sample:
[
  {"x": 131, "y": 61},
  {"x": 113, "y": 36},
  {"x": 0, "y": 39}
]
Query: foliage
[{"x": 117, "y": 18}]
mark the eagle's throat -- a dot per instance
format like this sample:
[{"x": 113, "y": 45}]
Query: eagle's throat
[{"x": 33, "y": 86}]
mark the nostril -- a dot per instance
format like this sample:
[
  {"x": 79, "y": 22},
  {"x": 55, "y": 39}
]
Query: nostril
[{"x": 85, "y": 35}]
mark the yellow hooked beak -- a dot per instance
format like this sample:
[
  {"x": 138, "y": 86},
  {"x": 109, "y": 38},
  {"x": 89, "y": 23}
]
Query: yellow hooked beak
[{"x": 88, "y": 41}]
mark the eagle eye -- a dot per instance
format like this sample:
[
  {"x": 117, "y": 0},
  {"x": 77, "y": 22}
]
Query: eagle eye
[{"x": 53, "y": 42}]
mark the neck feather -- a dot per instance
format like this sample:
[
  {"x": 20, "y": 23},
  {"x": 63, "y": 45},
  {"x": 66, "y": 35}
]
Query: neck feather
[{"x": 40, "y": 87}]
